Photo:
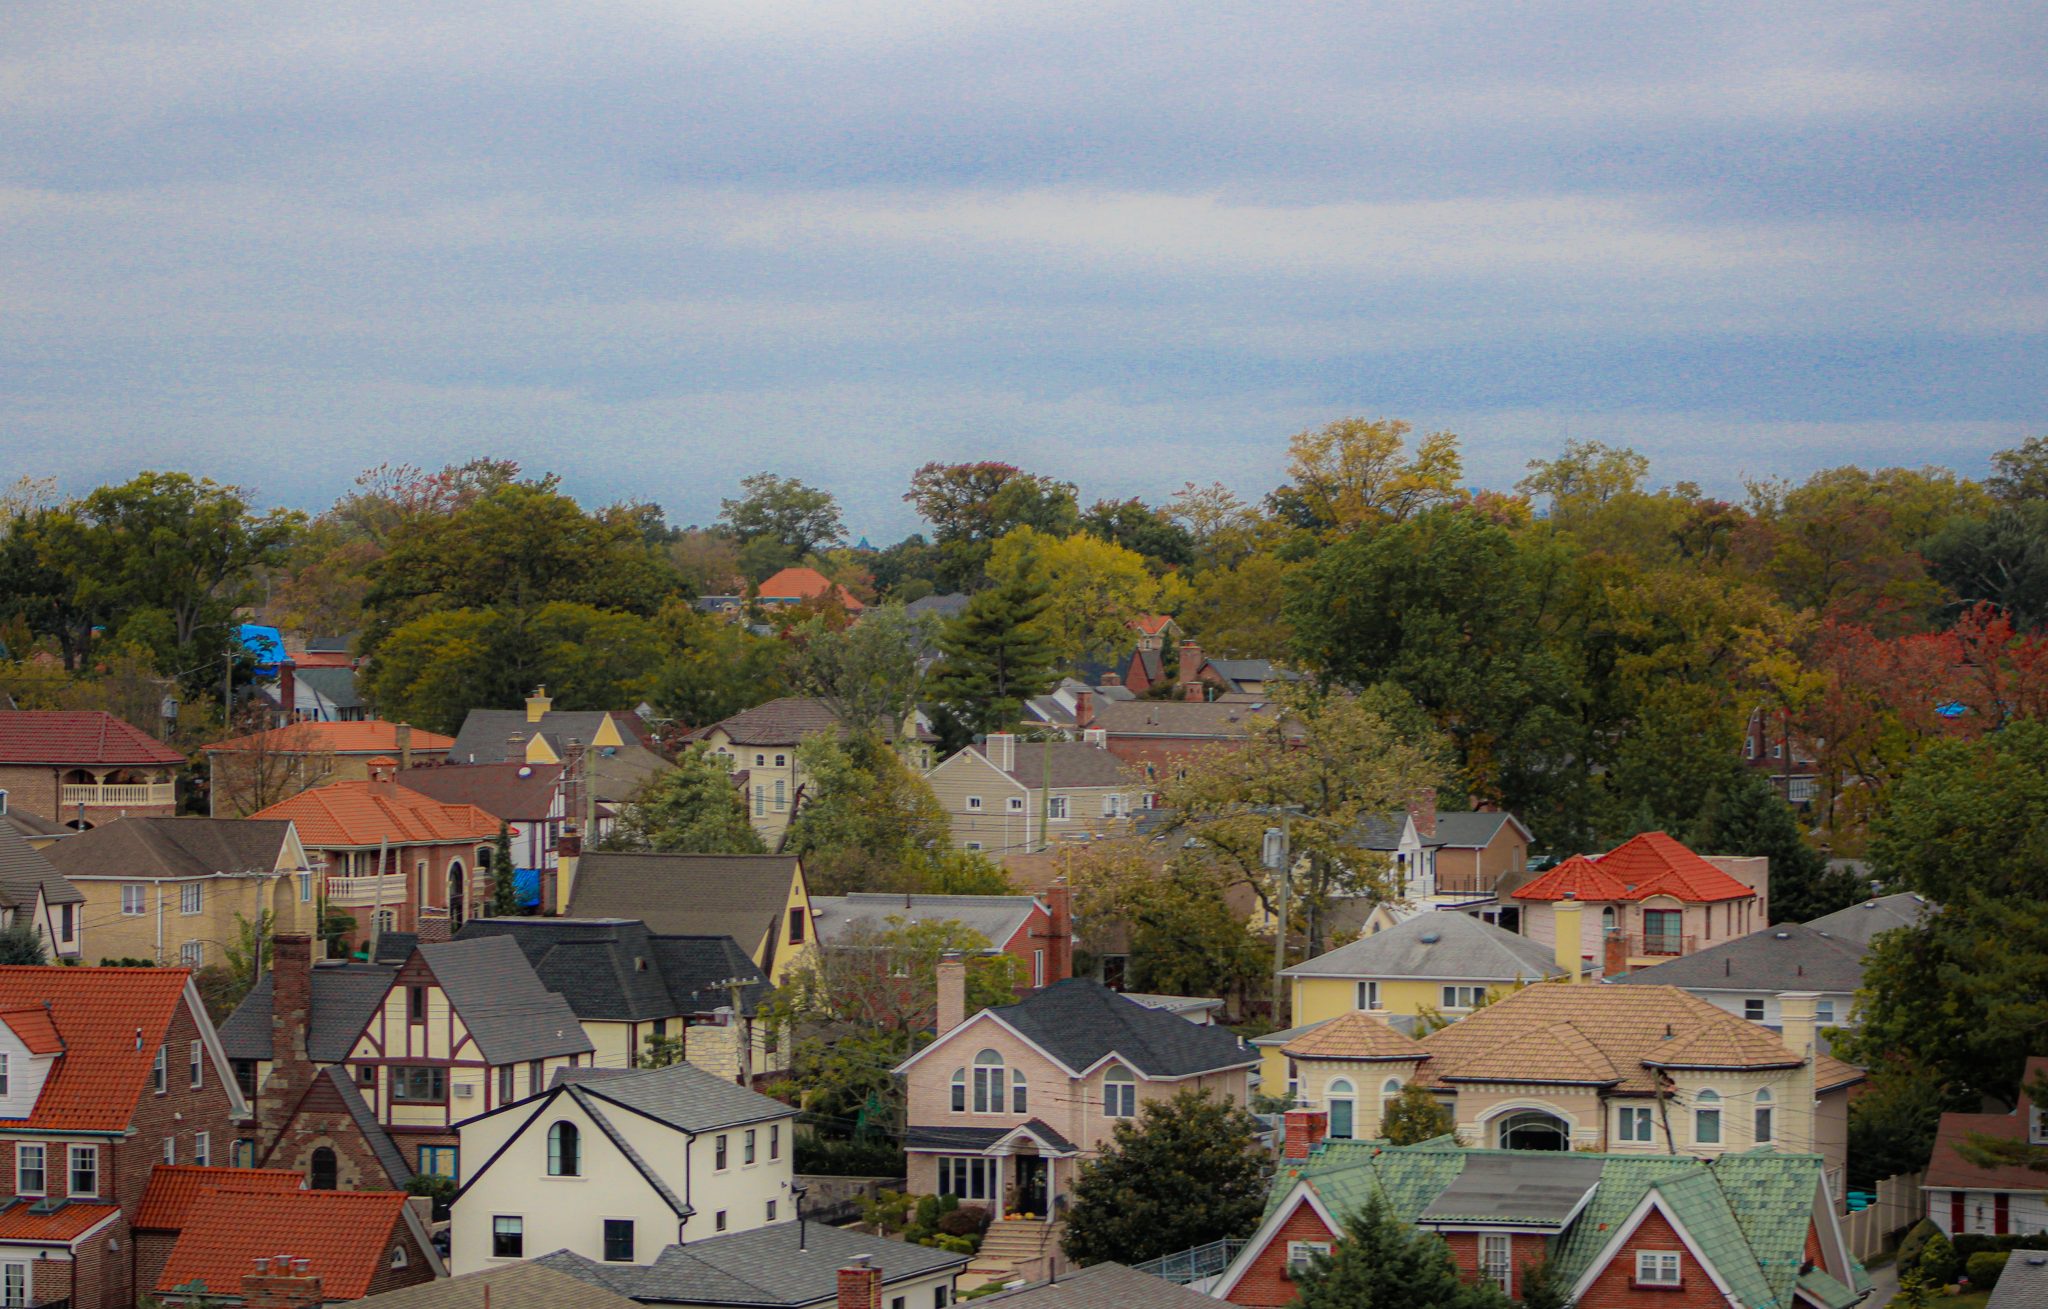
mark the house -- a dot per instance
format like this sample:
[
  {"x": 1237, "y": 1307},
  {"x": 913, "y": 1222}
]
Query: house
[
  {"x": 263, "y": 1248},
  {"x": 1787, "y": 761},
  {"x": 1160, "y": 734},
  {"x": 32, "y": 891},
  {"x": 1656, "y": 900},
  {"x": 949, "y": 604},
  {"x": 759, "y": 900},
  {"x": 1860, "y": 923},
  {"x": 1479, "y": 854},
  {"x": 795, "y": 586},
  {"x": 85, "y": 767},
  {"x": 1037, "y": 933},
  {"x": 759, "y": 748},
  {"x": 1006, "y": 1104},
  {"x": 109, "y": 1072},
  {"x": 1005, "y": 796},
  {"x": 509, "y": 1285},
  {"x": 1203, "y": 678},
  {"x": 1746, "y": 976},
  {"x": 1101, "y": 1286},
  {"x": 627, "y": 986},
  {"x": 1745, "y": 1231},
  {"x": 1965, "y": 1196},
  {"x": 531, "y": 800},
  {"x": 169, "y": 1197},
  {"x": 1058, "y": 709},
  {"x": 40, "y": 832},
  {"x": 181, "y": 890},
  {"x": 600, "y": 1163},
  {"x": 252, "y": 772},
  {"x": 610, "y": 754},
  {"x": 386, "y": 853},
  {"x": 781, "y": 1266},
  {"x": 1618, "y": 1068}
]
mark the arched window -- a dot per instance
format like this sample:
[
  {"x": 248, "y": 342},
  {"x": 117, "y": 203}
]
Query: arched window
[
  {"x": 322, "y": 1173},
  {"x": 1343, "y": 1110},
  {"x": 1706, "y": 1118},
  {"x": 988, "y": 1082},
  {"x": 565, "y": 1151},
  {"x": 1119, "y": 1093},
  {"x": 1764, "y": 1125},
  {"x": 1532, "y": 1129},
  {"x": 1607, "y": 923},
  {"x": 959, "y": 1090},
  {"x": 1390, "y": 1089}
]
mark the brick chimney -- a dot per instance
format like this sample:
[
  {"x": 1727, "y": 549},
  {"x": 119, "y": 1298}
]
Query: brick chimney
[
  {"x": 383, "y": 774},
  {"x": 860, "y": 1284},
  {"x": 952, "y": 993},
  {"x": 1190, "y": 666},
  {"x": 1614, "y": 954},
  {"x": 433, "y": 925},
  {"x": 281, "y": 1282},
  {"x": 1304, "y": 1131},
  {"x": 287, "y": 692},
  {"x": 1423, "y": 810},
  {"x": 538, "y": 704},
  {"x": 1059, "y": 954},
  {"x": 1084, "y": 707},
  {"x": 402, "y": 735},
  {"x": 291, "y": 1014}
]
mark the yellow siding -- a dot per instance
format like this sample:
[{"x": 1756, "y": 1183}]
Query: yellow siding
[{"x": 1317, "y": 998}]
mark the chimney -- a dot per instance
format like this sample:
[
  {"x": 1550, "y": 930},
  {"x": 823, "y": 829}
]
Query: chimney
[
  {"x": 860, "y": 1284},
  {"x": 1304, "y": 1131},
  {"x": 1059, "y": 954},
  {"x": 1084, "y": 707},
  {"x": 291, "y": 1014},
  {"x": 383, "y": 774},
  {"x": 1614, "y": 954},
  {"x": 1423, "y": 810},
  {"x": 1001, "y": 749},
  {"x": 288, "y": 691},
  {"x": 1190, "y": 663},
  {"x": 1567, "y": 917},
  {"x": 952, "y": 988},
  {"x": 1800, "y": 1031},
  {"x": 554, "y": 899},
  {"x": 1112, "y": 679},
  {"x": 281, "y": 1283},
  {"x": 537, "y": 704},
  {"x": 433, "y": 925},
  {"x": 403, "y": 734}
]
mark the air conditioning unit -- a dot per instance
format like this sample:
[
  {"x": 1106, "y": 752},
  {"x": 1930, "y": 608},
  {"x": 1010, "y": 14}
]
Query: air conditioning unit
[{"x": 464, "y": 1090}]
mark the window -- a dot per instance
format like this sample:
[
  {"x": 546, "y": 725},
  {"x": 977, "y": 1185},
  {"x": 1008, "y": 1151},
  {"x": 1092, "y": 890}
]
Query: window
[
  {"x": 191, "y": 954},
  {"x": 618, "y": 1240},
  {"x": 29, "y": 1177},
  {"x": 170, "y": 1149},
  {"x": 1657, "y": 1268},
  {"x": 505, "y": 1091},
  {"x": 974, "y": 845},
  {"x": 770, "y": 1212},
  {"x": 1663, "y": 931},
  {"x": 959, "y": 1090},
  {"x": 971, "y": 1177},
  {"x": 3, "y": 1073},
  {"x": 419, "y": 1085},
  {"x": 398, "y": 1258},
  {"x": 366, "y": 1077},
  {"x": 1753, "y": 1009},
  {"x": 1119, "y": 1094},
  {"x": 134, "y": 900},
  {"x": 781, "y": 761},
  {"x": 1764, "y": 1125},
  {"x": 323, "y": 1170},
  {"x": 416, "y": 1004},
  {"x": 1018, "y": 1089},
  {"x": 760, "y": 801},
  {"x": 988, "y": 1082},
  {"x": 781, "y": 795},
  {"x": 747, "y": 1146},
  {"x": 1388, "y": 1090},
  {"x": 387, "y": 921},
  {"x": 796, "y": 926},
  {"x": 1056, "y": 808},
  {"x": 1493, "y": 1260},
  {"x": 242, "y": 1154},
  {"x": 1368, "y": 995},
  {"x": 1636, "y": 1124},
  {"x": 1342, "y": 1109},
  {"x": 305, "y": 888},
  {"x": 1301, "y": 1255},
  {"x": 508, "y": 1237},
  {"x": 1463, "y": 997},
  {"x": 1016, "y": 804},
  {"x": 896, "y": 1302},
  {"x": 159, "y": 1072},
  {"x": 973, "y": 804},
  {"x": 774, "y": 1141},
  {"x": 1706, "y": 1118},
  {"x": 1112, "y": 806},
  {"x": 439, "y": 1161},
  {"x": 718, "y": 1221},
  {"x": 195, "y": 1064},
  {"x": 536, "y": 1076},
  {"x": 1824, "y": 1011},
  {"x": 85, "y": 1170},
  {"x": 14, "y": 1284},
  {"x": 718, "y": 1153},
  {"x": 1038, "y": 967},
  {"x": 191, "y": 897},
  {"x": 941, "y": 1297},
  {"x": 565, "y": 1150},
  {"x": 202, "y": 1149},
  {"x": 245, "y": 1077}
]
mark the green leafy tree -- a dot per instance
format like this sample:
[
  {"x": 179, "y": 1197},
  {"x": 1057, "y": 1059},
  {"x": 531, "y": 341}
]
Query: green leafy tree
[
  {"x": 693, "y": 808},
  {"x": 433, "y": 670},
  {"x": 1415, "y": 1115},
  {"x": 995, "y": 655},
  {"x": 868, "y": 823},
  {"x": 1380, "y": 1264},
  {"x": 971, "y": 505},
  {"x": 661, "y": 1050},
  {"x": 715, "y": 668},
  {"x": 1185, "y": 1172},
  {"x": 1893, "y": 1122},
  {"x": 504, "y": 877},
  {"x": 2021, "y": 473},
  {"x": 1750, "y": 818},
  {"x": 1184, "y": 939},
  {"x": 1143, "y": 530},
  {"x": 802, "y": 519},
  {"x": 1093, "y": 588},
  {"x": 1971, "y": 817},
  {"x": 1542, "y": 1287},
  {"x": 2000, "y": 559},
  {"x": 870, "y": 672}
]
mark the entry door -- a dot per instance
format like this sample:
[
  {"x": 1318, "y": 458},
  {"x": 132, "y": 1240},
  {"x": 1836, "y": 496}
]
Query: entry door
[{"x": 1030, "y": 1171}]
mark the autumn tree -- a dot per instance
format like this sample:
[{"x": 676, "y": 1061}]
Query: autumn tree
[
  {"x": 1356, "y": 472},
  {"x": 802, "y": 519},
  {"x": 1182, "y": 936},
  {"x": 1093, "y": 589},
  {"x": 261, "y": 765},
  {"x": 1147, "y": 532},
  {"x": 1240, "y": 611},
  {"x": 1587, "y": 475},
  {"x": 971, "y": 505},
  {"x": 2020, "y": 474}
]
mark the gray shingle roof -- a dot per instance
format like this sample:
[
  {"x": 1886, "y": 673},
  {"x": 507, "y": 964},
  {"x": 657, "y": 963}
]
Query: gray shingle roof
[
  {"x": 529, "y": 1285},
  {"x": 980, "y": 1138},
  {"x": 763, "y": 1266},
  {"x": 1450, "y": 946},
  {"x": 25, "y": 870},
  {"x": 1788, "y": 957},
  {"x": 1103, "y": 1286},
  {"x": 1860, "y": 922},
  {"x": 1078, "y": 1021},
  {"x": 741, "y": 896},
  {"x": 2024, "y": 1284},
  {"x": 344, "y": 998},
  {"x": 1516, "y": 1189},
  {"x": 497, "y": 789},
  {"x": 1468, "y": 829},
  {"x": 697, "y": 968},
  {"x": 172, "y": 847},
  {"x": 605, "y": 968},
  {"x": 997, "y": 918},
  {"x": 1067, "y": 763},
  {"x": 682, "y": 1095},
  {"x": 365, "y": 1119},
  {"x": 1252, "y": 670},
  {"x": 615, "y": 776},
  {"x": 337, "y": 686},
  {"x": 502, "y": 1004}
]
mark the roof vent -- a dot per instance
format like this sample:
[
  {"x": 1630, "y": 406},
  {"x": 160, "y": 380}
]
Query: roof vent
[
  {"x": 526, "y": 770},
  {"x": 1430, "y": 938},
  {"x": 1782, "y": 936}
]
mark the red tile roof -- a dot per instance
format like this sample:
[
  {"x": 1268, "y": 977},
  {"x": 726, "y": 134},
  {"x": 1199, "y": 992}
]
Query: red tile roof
[
  {"x": 174, "y": 1187},
  {"x": 1638, "y": 868},
  {"x": 362, "y": 813},
  {"x": 111, "y": 1021},
  {"x": 35, "y": 1029},
  {"x": 337, "y": 738},
  {"x": 805, "y": 584},
  {"x": 346, "y": 1236},
  {"x": 22, "y": 1223},
  {"x": 66, "y": 736},
  {"x": 1151, "y": 624}
]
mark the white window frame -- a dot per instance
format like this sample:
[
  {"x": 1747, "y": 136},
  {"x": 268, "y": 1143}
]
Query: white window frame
[
  {"x": 1462, "y": 997},
  {"x": 1754, "y": 1009},
  {"x": 1824, "y": 1011},
  {"x": 170, "y": 1149},
  {"x": 1496, "y": 1260},
  {"x": 191, "y": 899},
  {"x": 1368, "y": 995},
  {"x": 1706, "y": 1108},
  {"x": 1764, "y": 1121},
  {"x": 134, "y": 899},
  {"x": 1037, "y": 979},
  {"x": 973, "y": 804},
  {"x": 202, "y": 1149},
  {"x": 1660, "y": 1268},
  {"x": 195, "y": 1063},
  {"x": 42, "y": 1156},
  {"x": 1119, "y": 1094},
  {"x": 1301, "y": 1253},
  {"x": 1636, "y": 1125},
  {"x": 971, "y": 1177},
  {"x": 17, "y": 1283},
  {"x": 1056, "y": 808},
  {"x": 160, "y": 1071},
  {"x": 1016, "y": 804},
  {"x": 90, "y": 1154},
  {"x": 192, "y": 954}
]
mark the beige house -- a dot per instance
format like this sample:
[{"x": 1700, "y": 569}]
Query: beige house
[
  {"x": 179, "y": 890},
  {"x": 1006, "y": 796},
  {"x": 758, "y": 747}
]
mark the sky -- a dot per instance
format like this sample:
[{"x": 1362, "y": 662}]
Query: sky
[{"x": 657, "y": 245}]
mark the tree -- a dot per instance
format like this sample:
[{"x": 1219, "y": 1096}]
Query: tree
[
  {"x": 803, "y": 519},
  {"x": 1414, "y": 1115},
  {"x": 433, "y": 670},
  {"x": 1586, "y": 476},
  {"x": 887, "y": 980},
  {"x": 2021, "y": 473},
  {"x": 1748, "y": 817},
  {"x": 1353, "y": 473},
  {"x": 1143, "y": 530},
  {"x": 715, "y": 668},
  {"x": 1380, "y": 1264},
  {"x": 1221, "y": 528},
  {"x": 1971, "y": 817},
  {"x": 970, "y": 505},
  {"x": 1240, "y": 612},
  {"x": 1542, "y": 1287},
  {"x": 868, "y": 823},
  {"x": 22, "y": 943},
  {"x": 2001, "y": 559},
  {"x": 1093, "y": 589},
  {"x": 504, "y": 876},
  {"x": 869, "y": 673},
  {"x": 269, "y": 764},
  {"x": 995, "y": 656},
  {"x": 1185, "y": 1172},
  {"x": 693, "y": 808},
  {"x": 1892, "y": 1124},
  {"x": 1183, "y": 937}
]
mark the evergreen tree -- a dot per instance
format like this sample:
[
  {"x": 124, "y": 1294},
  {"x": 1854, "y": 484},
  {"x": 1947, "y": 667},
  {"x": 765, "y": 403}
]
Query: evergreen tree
[
  {"x": 22, "y": 944},
  {"x": 1748, "y": 818},
  {"x": 1416, "y": 1115},
  {"x": 1379, "y": 1264},
  {"x": 1541, "y": 1287},
  {"x": 693, "y": 808},
  {"x": 997, "y": 654},
  {"x": 504, "y": 885},
  {"x": 1185, "y": 1172}
]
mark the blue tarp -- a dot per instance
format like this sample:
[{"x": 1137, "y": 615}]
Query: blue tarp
[
  {"x": 526, "y": 885},
  {"x": 266, "y": 643}
]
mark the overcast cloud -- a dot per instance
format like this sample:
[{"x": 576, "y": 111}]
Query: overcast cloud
[{"x": 655, "y": 246}]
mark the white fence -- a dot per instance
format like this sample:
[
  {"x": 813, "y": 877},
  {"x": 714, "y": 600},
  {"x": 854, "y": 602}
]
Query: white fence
[{"x": 1899, "y": 1203}]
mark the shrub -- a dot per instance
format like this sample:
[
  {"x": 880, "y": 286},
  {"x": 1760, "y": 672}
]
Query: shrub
[
  {"x": 1971, "y": 1243},
  {"x": 1914, "y": 1242},
  {"x": 1938, "y": 1262},
  {"x": 955, "y": 1244},
  {"x": 1983, "y": 1268},
  {"x": 967, "y": 1220}
]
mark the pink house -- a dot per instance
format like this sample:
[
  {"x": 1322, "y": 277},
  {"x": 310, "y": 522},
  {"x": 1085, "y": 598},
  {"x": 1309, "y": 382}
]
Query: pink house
[{"x": 1652, "y": 900}]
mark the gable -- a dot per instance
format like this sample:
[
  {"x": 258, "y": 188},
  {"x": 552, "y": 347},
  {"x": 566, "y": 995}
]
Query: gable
[
  {"x": 1258, "y": 1276},
  {"x": 1653, "y": 1228}
]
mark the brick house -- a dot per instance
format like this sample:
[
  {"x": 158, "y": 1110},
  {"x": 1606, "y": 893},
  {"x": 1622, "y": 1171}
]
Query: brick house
[
  {"x": 84, "y": 767},
  {"x": 1747, "y": 1231},
  {"x": 168, "y": 1199},
  {"x": 108, "y": 1072},
  {"x": 1654, "y": 900},
  {"x": 257, "y": 1246}
]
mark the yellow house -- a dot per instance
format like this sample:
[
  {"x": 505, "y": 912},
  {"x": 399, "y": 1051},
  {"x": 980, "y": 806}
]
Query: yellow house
[
  {"x": 180, "y": 890},
  {"x": 618, "y": 755},
  {"x": 758, "y": 748}
]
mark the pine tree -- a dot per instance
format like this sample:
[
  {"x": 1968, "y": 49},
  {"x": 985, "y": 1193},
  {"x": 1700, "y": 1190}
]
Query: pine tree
[
  {"x": 1186, "y": 1172},
  {"x": 1541, "y": 1287},
  {"x": 1379, "y": 1264},
  {"x": 997, "y": 654},
  {"x": 504, "y": 877},
  {"x": 1748, "y": 818}
]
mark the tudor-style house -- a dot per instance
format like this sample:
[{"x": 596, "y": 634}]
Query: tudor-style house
[
  {"x": 1755, "y": 1230},
  {"x": 1006, "y": 797},
  {"x": 759, "y": 900},
  {"x": 104, "y": 1073},
  {"x": 600, "y": 1164},
  {"x": 82, "y": 768},
  {"x": 33, "y": 892}
]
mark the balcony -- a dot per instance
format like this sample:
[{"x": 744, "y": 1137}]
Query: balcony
[
  {"x": 118, "y": 795},
  {"x": 1654, "y": 945},
  {"x": 367, "y": 890}
]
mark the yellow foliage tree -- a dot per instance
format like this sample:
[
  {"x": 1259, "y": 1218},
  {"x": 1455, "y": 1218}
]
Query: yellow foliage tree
[
  {"x": 1354, "y": 472},
  {"x": 1095, "y": 588}
]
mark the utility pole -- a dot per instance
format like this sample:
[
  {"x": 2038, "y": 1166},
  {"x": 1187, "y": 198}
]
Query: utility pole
[
  {"x": 1278, "y": 855},
  {"x": 1045, "y": 794}
]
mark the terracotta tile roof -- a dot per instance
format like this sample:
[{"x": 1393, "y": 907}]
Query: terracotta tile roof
[
  {"x": 345, "y": 1235},
  {"x": 1642, "y": 866},
  {"x": 35, "y": 1029},
  {"x": 1557, "y": 1053},
  {"x": 804, "y": 584},
  {"x": 173, "y": 1188},
  {"x": 22, "y": 1223},
  {"x": 1151, "y": 624},
  {"x": 1356, "y": 1035},
  {"x": 336, "y": 738},
  {"x": 362, "y": 813},
  {"x": 97, "y": 1013},
  {"x": 66, "y": 736}
]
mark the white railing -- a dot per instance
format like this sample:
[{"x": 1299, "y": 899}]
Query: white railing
[
  {"x": 118, "y": 794},
  {"x": 370, "y": 889}
]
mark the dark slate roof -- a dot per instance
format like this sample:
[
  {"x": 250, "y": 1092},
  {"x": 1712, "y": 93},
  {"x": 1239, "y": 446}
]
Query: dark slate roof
[
  {"x": 365, "y": 1119},
  {"x": 24, "y": 870},
  {"x": 738, "y": 895},
  {"x": 1860, "y": 922},
  {"x": 395, "y": 947},
  {"x": 1383, "y": 831},
  {"x": 952, "y": 1138},
  {"x": 1103, "y": 1286},
  {"x": 1252, "y": 670},
  {"x": 500, "y": 999},
  {"x": 615, "y": 970},
  {"x": 1079, "y": 1021},
  {"x": 1516, "y": 1190},
  {"x": 337, "y": 686},
  {"x": 172, "y": 847},
  {"x": 759, "y": 1267},
  {"x": 344, "y": 998},
  {"x": 499, "y": 790},
  {"x": 1788, "y": 957},
  {"x": 486, "y": 733},
  {"x": 696, "y": 968},
  {"x": 682, "y": 1095}
]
